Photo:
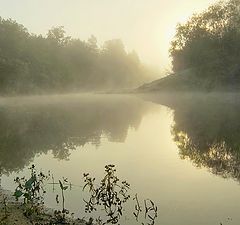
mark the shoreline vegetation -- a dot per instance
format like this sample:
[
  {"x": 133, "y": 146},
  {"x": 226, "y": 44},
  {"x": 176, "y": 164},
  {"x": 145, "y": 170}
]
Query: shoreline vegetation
[
  {"x": 205, "y": 52},
  {"x": 58, "y": 63},
  {"x": 15, "y": 213},
  {"x": 27, "y": 204}
]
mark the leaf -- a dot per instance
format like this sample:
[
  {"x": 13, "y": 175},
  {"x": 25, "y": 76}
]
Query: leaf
[
  {"x": 18, "y": 193},
  {"x": 28, "y": 184},
  {"x": 27, "y": 196}
]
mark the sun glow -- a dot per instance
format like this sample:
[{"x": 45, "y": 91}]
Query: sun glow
[
  {"x": 169, "y": 35},
  {"x": 145, "y": 26}
]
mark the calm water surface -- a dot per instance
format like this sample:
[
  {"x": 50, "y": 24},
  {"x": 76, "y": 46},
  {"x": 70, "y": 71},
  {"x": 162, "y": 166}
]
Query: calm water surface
[{"x": 184, "y": 155}]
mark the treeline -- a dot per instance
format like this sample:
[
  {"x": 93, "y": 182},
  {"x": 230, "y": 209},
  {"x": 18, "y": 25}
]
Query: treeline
[
  {"x": 32, "y": 63},
  {"x": 209, "y": 45}
]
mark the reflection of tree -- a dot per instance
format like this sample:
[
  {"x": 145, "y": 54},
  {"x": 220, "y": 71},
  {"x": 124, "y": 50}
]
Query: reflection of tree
[
  {"x": 61, "y": 126},
  {"x": 207, "y": 131},
  {"x": 218, "y": 158}
]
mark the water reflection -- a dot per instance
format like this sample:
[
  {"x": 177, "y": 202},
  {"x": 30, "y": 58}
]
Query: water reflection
[
  {"x": 206, "y": 130},
  {"x": 29, "y": 126}
]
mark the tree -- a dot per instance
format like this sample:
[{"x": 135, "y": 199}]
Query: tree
[
  {"x": 32, "y": 63},
  {"x": 57, "y": 35},
  {"x": 209, "y": 42}
]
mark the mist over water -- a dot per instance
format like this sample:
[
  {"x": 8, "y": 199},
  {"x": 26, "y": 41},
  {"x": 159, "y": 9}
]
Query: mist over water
[
  {"x": 77, "y": 107},
  {"x": 183, "y": 153},
  {"x": 61, "y": 123}
]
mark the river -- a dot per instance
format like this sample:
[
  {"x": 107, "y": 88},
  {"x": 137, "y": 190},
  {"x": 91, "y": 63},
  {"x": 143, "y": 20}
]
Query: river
[{"x": 183, "y": 153}]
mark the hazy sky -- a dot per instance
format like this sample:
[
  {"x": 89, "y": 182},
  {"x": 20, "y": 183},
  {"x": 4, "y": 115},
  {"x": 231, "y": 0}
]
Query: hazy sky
[{"x": 144, "y": 25}]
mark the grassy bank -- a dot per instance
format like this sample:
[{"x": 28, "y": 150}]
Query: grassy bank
[{"x": 189, "y": 80}]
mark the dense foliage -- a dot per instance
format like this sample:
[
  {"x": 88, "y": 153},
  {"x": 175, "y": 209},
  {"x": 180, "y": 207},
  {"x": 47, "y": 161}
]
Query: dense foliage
[
  {"x": 33, "y": 63},
  {"x": 209, "y": 44}
]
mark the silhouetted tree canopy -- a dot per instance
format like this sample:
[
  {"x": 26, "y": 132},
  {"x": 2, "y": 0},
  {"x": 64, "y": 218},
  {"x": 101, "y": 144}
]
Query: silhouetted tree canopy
[
  {"x": 32, "y": 63},
  {"x": 209, "y": 43}
]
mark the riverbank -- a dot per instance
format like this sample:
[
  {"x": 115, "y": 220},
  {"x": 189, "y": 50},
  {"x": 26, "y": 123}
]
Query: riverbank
[
  {"x": 13, "y": 213},
  {"x": 190, "y": 81}
]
